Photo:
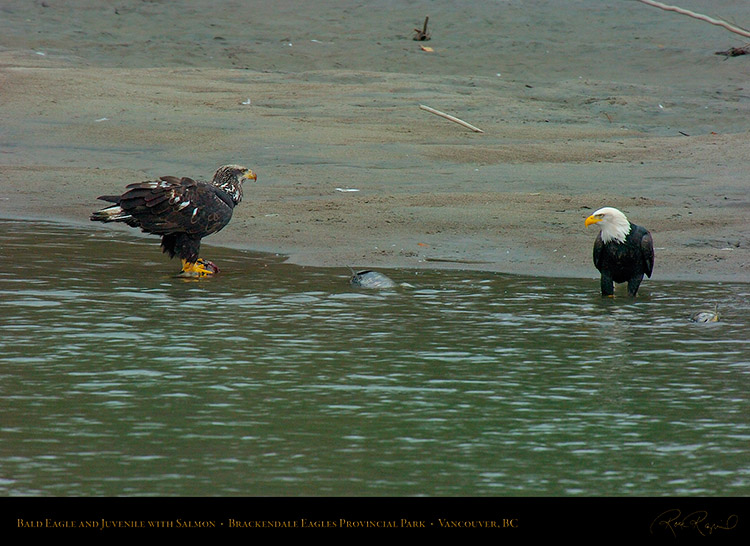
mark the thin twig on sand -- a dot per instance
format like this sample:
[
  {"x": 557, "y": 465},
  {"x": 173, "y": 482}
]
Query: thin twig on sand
[
  {"x": 712, "y": 20},
  {"x": 735, "y": 51},
  {"x": 451, "y": 118}
]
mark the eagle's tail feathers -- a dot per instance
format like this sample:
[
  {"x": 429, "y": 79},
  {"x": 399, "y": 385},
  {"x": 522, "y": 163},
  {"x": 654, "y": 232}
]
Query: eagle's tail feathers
[{"x": 114, "y": 214}]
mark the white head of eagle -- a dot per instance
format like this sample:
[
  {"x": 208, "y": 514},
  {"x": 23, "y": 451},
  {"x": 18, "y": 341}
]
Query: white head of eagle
[
  {"x": 623, "y": 252},
  {"x": 613, "y": 224}
]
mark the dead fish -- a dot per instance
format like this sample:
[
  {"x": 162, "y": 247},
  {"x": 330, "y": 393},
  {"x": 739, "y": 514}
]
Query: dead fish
[
  {"x": 370, "y": 279},
  {"x": 706, "y": 316}
]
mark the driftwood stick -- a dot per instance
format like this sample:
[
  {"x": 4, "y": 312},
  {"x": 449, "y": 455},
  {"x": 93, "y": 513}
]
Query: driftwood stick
[
  {"x": 451, "y": 118},
  {"x": 422, "y": 34},
  {"x": 713, "y": 21}
]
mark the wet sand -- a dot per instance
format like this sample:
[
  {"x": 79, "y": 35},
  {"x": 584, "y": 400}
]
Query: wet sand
[{"x": 584, "y": 106}]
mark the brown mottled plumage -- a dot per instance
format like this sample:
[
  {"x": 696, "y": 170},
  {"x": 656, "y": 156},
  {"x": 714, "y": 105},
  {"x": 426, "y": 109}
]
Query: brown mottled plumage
[{"x": 181, "y": 210}]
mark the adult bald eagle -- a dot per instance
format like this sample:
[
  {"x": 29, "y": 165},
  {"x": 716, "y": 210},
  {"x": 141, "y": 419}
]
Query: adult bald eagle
[
  {"x": 623, "y": 252},
  {"x": 181, "y": 210}
]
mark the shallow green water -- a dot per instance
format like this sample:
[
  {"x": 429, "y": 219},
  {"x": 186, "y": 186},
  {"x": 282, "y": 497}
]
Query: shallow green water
[{"x": 271, "y": 379}]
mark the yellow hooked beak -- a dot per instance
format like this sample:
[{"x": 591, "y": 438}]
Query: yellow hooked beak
[
  {"x": 593, "y": 220},
  {"x": 250, "y": 175}
]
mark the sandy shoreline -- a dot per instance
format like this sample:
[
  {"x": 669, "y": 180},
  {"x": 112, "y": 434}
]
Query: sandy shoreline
[{"x": 654, "y": 125}]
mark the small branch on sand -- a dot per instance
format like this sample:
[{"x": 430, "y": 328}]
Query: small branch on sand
[
  {"x": 713, "y": 21},
  {"x": 451, "y": 118},
  {"x": 422, "y": 35},
  {"x": 735, "y": 51}
]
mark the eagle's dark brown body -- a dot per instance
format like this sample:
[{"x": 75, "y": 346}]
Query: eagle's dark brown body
[
  {"x": 181, "y": 210},
  {"x": 626, "y": 262}
]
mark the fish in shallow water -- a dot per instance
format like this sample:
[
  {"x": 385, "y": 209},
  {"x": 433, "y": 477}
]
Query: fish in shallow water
[
  {"x": 370, "y": 279},
  {"x": 706, "y": 316}
]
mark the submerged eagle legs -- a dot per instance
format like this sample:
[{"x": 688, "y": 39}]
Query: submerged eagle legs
[{"x": 181, "y": 210}]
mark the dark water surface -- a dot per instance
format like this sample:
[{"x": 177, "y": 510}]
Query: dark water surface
[{"x": 270, "y": 379}]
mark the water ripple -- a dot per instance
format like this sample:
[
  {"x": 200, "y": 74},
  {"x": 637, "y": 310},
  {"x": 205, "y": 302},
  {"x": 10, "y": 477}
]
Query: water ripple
[{"x": 273, "y": 380}]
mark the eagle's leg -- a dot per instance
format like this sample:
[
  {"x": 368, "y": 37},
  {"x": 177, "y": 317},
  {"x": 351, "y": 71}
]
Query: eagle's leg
[
  {"x": 199, "y": 268},
  {"x": 188, "y": 248},
  {"x": 607, "y": 285},
  {"x": 633, "y": 285}
]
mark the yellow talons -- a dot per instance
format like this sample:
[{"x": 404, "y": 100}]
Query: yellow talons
[{"x": 201, "y": 268}]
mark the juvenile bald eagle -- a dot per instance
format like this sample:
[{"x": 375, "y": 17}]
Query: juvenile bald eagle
[
  {"x": 623, "y": 252},
  {"x": 181, "y": 210}
]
